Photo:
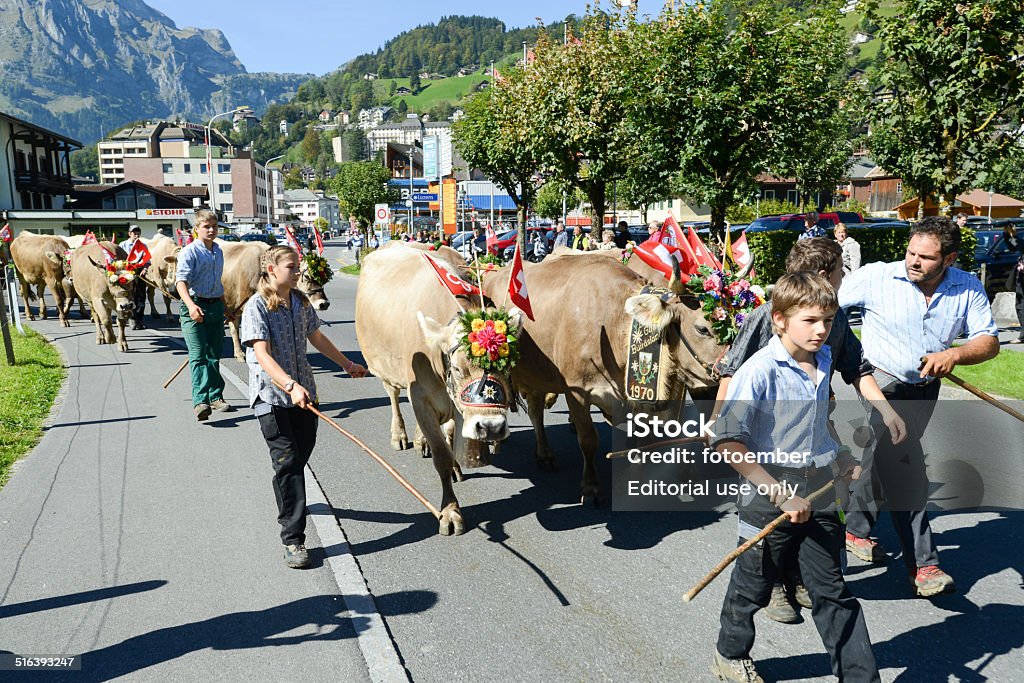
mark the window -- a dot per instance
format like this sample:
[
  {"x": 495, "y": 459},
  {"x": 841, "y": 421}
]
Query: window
[
  {"x": 227, "y": 207},
  {"x": 202, "y": 168},
  {"x": 223, "y": 168},
  {"x": 899, "y": 188},
  {"x": 168, "y": 168},
  {"x": 769, "y": 194},
  {"x": 125, "y": 200},
  {"x": 224, "y": 187},
  {"x": 791, "y": 197},
  {"x": 146, "y": 200},
  {"x": 188, "y": 168}
]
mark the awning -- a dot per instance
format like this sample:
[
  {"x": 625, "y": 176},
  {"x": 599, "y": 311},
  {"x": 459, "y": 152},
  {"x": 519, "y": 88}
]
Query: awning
[{"x": 482, "y": 202}]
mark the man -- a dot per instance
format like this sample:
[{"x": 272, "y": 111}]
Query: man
[
  {"x": 561, "y": 236},
  {"x": 622, "y": 235},
  {"x": 811, "y": 227},
  {"x": 913, "y": 309},
  {"x": 200, "y": 266},
  {"x": 140, "y": 290},
  {"x": 580, "y": 241}
]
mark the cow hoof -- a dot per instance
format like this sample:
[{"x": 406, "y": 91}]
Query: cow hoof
[
  {"x": 546, "y": 462},
  {"x": 156, "y": 316},
  {"x": 399, "y": 443},
  {"x": 31, "y": 317},
  {"x": 65, "y": 322},
  {"x": 451, "y": 522},
  {"x": 591, "y": 500},
  {"x": 457, "y": 475},
  {"x": 123, "y": 346}
]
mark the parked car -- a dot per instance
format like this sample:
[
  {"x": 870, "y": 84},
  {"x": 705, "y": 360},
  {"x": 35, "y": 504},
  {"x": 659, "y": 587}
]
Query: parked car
[
  {"x": 264, "y": 237},
  {"x": 795, "y": 221},
  {"x": 230, "y": 237},
  {"x": 879, "y": 224},
  {"x": 998, "y": 258}
]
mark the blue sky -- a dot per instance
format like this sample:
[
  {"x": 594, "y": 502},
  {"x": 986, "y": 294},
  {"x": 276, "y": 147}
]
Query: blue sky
[{"x": 317, "y": 36}]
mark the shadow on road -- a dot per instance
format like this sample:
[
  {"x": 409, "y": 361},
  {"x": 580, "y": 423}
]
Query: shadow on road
[
  {"x": 112, "y": 420},
  {"x": 32, "y": 606}
]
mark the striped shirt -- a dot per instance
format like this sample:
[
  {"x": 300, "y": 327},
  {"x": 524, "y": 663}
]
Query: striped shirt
[
  {"x": 201, "y": 269},
  {"x": 772, "y": 405},
  {"x": 900, "y": 326},
  {"x": 286, "y": 331}
]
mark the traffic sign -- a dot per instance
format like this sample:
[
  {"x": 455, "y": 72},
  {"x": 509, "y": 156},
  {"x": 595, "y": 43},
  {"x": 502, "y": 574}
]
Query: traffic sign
[
  {"x": 382, "y": 213},
  {"x": 425, "y": 197}
]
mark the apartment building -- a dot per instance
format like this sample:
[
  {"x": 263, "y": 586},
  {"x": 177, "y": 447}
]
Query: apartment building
[
  {"x": 151, "y": 140},
  {"x": 307, "y": 206}
]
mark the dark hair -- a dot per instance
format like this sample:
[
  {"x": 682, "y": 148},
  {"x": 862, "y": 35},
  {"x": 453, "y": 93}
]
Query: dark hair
[
  {"x": 623, "y": 225},
  {"x": 941, "y": 228},
  {"x": 802, "y": 290},
  {"x": 811, "y": 217},
  {"x": 814, "y": 255}
]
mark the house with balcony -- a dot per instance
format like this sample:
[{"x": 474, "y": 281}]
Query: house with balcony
[{"x": 35, "y": 171}]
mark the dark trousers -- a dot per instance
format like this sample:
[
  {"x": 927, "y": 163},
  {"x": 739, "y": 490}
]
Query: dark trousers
[
  {"x": 1019, "y": 291},
  {"x": 837, "y": 614},
  {"x": 139, "y": 292},
  {"x": 895, "y": 476},
  {"x": 290, "y": 434}
]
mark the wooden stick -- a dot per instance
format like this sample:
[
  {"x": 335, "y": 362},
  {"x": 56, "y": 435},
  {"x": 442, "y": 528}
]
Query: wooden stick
[
  {"x": 381, "y": 461},
  {"x": 671, "y": 442},
  {"x": 750, "y": 543},
  {"x": 985, "y": 397},
  {"x": 176, "y": 373}
]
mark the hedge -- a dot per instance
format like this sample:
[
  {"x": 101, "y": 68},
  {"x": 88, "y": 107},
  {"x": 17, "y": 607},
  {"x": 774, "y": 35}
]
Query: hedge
[{"x": 876, "y": 244}]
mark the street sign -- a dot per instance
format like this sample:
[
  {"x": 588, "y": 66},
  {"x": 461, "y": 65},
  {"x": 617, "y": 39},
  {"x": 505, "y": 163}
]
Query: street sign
[
  {"x": 408, "y": 202},
  {"x": 382, "y": 213},
  {"x": 425, "y": 197}
]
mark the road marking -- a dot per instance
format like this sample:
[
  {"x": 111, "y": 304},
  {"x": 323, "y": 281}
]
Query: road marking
[{"x": 375, "y": 643}]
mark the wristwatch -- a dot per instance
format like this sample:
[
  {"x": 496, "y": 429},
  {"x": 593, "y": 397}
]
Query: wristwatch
[{"x": 288, "y": 386}]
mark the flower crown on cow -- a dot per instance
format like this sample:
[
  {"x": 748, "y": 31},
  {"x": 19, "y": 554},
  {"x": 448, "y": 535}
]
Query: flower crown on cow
[
  {"x": 317, "y": 268},
  {"x": 725, "y": 299},
  {"x": 121, "y": 272},
  {"x": 486, "y": 339}
]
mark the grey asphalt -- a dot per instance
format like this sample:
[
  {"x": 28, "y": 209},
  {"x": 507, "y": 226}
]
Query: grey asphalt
[{"x": 538, "y": 589}]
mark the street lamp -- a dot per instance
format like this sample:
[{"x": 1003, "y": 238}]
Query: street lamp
[
  {"x": 412, "y": 146},
  {"x": 209, "y": 157},
  {"x": 270, "y": 193}
]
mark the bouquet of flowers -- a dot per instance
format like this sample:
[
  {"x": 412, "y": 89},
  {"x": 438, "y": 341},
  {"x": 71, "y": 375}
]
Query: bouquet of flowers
[
  {"x": 487, "y": 340},
  {"x": 317, "y": 268},
  {"x": 627, "y": 252},
  {"x": 121, "y": 272},
  {"x": 725, "y": 299}
]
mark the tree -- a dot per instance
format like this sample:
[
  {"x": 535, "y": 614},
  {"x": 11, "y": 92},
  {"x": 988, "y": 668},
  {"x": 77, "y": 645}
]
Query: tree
[
  {"x": 493, "y": 137},
  {"x": 310, "y": 147},
  {"x": 414, "y": 82},
  {"x": 293, "y": 179},
  {"x": 360, "y": 185},
  {"x": 403, "y": 107},
  {"x": 85, "y": 162},
  {"x": 952, "y": 83},
  {"x": 353, "y": 142},
  {"x": 716, "y": 101},
  {"x": 550, "y": 197}
]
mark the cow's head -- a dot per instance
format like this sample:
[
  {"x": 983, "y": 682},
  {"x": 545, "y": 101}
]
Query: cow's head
[
  {"x": 166, "y": 275},
  {"x": 119, "y": 275},
  {"x": 476, "y": 372},
  {"x": 315, "y": 274}
]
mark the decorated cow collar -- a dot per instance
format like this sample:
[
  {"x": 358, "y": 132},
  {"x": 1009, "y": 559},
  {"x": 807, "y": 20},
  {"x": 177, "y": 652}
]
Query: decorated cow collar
[
  {"x": 725, "y": 299},
  {"x": 486, "y": 339}
]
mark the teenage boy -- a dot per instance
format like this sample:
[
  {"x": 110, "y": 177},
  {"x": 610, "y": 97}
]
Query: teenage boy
[
  {"x": 777, "y": 408},
  {"x": 824, "y": 257}
]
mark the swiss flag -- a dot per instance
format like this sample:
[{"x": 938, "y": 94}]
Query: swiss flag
[
  {"x": 5, "y": 233},
  {"x": 89, "y": 238},
  {"x": 292, "y": 242},
  {"x": 319, "y": 241},
  {"x": 139, "y": 254},
  {"x": 741, "y": 251},
  {"x": 701, "y": 253},
  {"x": 492, "y": 241},
  {"x": 451, "y": 280},
  {"x": 108, "y": 255},
  {"x": 517, "y": 291},
  {"x": 660, "y": 257},
  {"x": 671, "y": 241}
]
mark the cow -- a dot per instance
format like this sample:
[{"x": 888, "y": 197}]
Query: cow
[
  {"x": 103, "y": 288},
  {"x": 410, "y": 337},
  {"x": 241, "y": 273},
  {"x": 39, "y": 260},
  {"x": 578, "y": 345},
  {"x": 161, "y": 274}
]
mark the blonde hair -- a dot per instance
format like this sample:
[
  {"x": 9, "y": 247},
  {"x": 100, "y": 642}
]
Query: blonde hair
[
  {"x": 265, "y": 286},
  {"x": 204, "y": 215},
  {"x": 803, "y": 289}
]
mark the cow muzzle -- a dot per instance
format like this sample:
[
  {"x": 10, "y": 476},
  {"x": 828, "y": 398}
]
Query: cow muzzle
[
  {"x": 126, "y": 307},
  {"x": 485, "y": 427},
  {"x": 484, "y": 403}
]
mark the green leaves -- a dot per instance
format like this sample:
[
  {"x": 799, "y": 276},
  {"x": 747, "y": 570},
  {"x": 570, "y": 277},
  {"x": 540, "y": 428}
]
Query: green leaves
[{"x": 361, "y": 184}]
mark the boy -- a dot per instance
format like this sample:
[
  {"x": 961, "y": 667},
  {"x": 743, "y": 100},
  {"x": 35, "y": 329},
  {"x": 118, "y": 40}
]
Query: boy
[
  {"x": 824, "y": 257},
  {"x": 777, "y": 408}
]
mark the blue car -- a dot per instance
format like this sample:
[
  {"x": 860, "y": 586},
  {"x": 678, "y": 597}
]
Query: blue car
[{"x": 998, "y": 258}]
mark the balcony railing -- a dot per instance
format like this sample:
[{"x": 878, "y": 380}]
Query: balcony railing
[{"x": 45, "y": 183}]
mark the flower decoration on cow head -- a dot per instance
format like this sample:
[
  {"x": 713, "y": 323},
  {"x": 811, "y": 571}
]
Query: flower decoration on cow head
[
  {"x": 488, "y": 339},
  {"x": 121, "y": 272},
  {"x": 725, "y": 299},
  {"x": 317, "y": 268},
  {"x": 627, "y": 252}
]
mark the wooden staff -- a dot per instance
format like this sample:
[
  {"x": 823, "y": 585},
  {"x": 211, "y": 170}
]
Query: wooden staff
[
  {"x": 982, "y": 395},
  {"x": 671, "y": 442},
  {"x": 182, "y": 366},
  {"x": 381, "y": 461},
  {"x": 731, "y": 557}
]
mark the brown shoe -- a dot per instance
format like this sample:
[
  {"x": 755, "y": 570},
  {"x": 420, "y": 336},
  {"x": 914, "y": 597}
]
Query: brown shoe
[
  {"x": 202, "y": 412},
  {"x": 222, "y": 405},
  {"x": 780, "y": 609},
  {"x": 929, "y": 581},
  {"x": 738, "y": 670}
]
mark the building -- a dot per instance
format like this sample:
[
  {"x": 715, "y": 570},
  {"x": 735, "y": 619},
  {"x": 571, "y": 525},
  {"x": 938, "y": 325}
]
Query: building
[
  {"x": 36, "y": 166},
  {"x": 413, "y": 131},
  {"x": 279, "y": 205},
  {"x": 342, "y": 118},
  {"x": 307, "y": 206},
  {"x": 283, "y": 126},
  {"x": 152, "y": 140},
  {"x": 244, "y": 118},
  {"x": 371, "y": 118},
  {"x": 974, "y": 203}
]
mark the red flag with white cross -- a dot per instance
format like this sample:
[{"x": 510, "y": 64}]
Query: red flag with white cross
[
  {"x": 517, "y": 291},
  {"x": 5, "y": 233}
]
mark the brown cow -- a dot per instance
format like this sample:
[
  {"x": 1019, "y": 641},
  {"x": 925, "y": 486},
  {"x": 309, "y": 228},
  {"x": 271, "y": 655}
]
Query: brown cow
[
  {"x": 164, "y": 254},
  {"x": 104, "y": 290},
  {"x": 405, "y": 323},
  {"x": 578, "y": 345},
  {"x": 39, "y": 260}
]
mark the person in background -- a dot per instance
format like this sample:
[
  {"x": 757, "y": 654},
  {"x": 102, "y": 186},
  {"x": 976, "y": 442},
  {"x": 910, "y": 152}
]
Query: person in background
[
  {"x": 1016, "y": 279},
  {"x": 580, "y": 240},
  {"x": 139, "y": 290},
  {"x": 561, "y": 236},
  {"x": 811, "y": 227},
  {"x": 622, "y": 237},
  {"x": 851, "y": 248},
  {"x": 607, "y": 241}
]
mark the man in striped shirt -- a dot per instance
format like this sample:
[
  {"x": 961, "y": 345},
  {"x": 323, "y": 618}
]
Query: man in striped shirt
[{"x": 913, "y": 310}]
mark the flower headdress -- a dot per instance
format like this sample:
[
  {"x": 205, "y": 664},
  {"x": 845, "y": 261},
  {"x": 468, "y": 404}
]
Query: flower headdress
[
  {"x": 121, "y": 272},
  {"x": 725, "y": 299},
  {"x": 487, "y": 340},
  {"x": 317, "y": 268}
]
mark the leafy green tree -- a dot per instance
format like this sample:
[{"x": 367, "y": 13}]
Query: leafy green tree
[
  {"x": 414, "y": 82},
  {"x": 310, "y": 147},
  {"x": 403, "y": 106},
  {"x": 1008, "y": 176},
  {"x": 359, "y": 185},
  {"x": 85, "y": 162},
  {"x": 293, "y": 179},
  {"x": 952, "y": 83},
  {"x": 550, "y": 197},
  {"x": 354, "y": 144},
  {"x": 392, "y": 87}
]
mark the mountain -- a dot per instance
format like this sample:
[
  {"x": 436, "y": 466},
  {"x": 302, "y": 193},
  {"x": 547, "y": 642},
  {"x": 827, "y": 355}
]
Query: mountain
[{"x": 83, "y": 67}]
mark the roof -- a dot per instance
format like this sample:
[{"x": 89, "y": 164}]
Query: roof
[
  {"x": 300, "y": 195},
  {"x": 44, "y": 131},
  {"x": 861, "y": 167},
  {"x": 195, "y": 191},
  {"x": 981, "y": 198}
]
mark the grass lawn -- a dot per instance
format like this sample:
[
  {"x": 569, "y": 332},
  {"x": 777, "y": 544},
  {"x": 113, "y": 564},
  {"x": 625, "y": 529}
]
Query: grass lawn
[
  {"x": 27, "y": 391},
  {"x": 1002, "y": 376},
  {"x": 351, "y": 270},
  {"x": 452, "y": 89}
]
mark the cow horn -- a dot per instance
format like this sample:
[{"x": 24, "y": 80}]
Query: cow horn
[
  {"x": 745, "y": 270},
  {"x": 676, "y": 283},
  {"x": 95, "y": 264}
]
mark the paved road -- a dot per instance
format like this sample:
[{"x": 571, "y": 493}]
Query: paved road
[{"x": 538, "y": 589}]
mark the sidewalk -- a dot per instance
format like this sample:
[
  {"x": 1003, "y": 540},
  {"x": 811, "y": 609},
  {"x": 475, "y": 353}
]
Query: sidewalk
[{"x": 148, "y": 542}]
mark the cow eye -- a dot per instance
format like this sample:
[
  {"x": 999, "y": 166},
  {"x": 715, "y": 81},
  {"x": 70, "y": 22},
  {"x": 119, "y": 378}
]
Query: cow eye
[{"x": 702, "y": 330}]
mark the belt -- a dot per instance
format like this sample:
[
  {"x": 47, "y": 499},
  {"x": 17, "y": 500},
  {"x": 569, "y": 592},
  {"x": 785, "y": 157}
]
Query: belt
[
  {"x": 808, "y": 472},
  {"x": 907, "y": 384},
  {"x": 206, "y": 300}
]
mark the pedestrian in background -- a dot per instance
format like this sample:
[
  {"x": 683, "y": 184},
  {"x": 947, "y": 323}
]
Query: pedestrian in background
[
  {"x": 198, "y": 282},
  {"x": 276, "y": 324},
  {"x": 851, "y": 248},
  {"x": 811, "y": 227},
  {"x": 139, "y": 289},
  {"x": 1015, "y": 282}
]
